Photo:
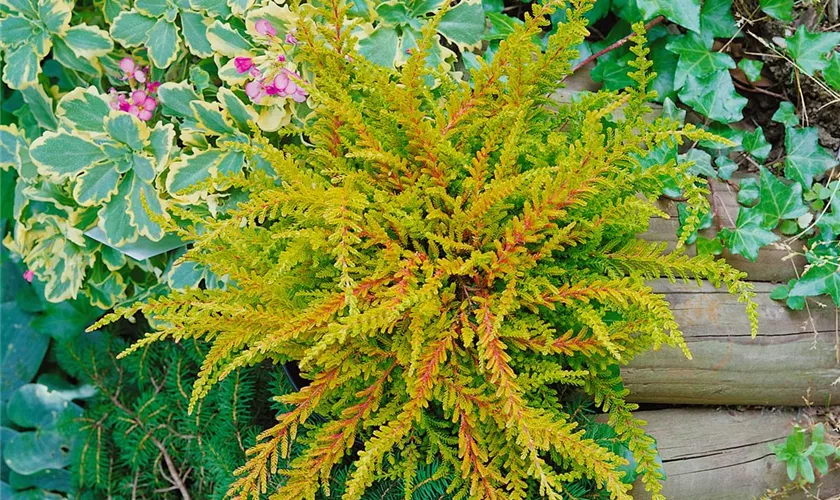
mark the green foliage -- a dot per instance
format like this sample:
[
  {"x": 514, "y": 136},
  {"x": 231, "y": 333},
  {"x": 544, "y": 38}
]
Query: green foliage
[
  {"x": 802, "y": 457},
  {"x": 31, "y": 29},
  {"x": 444, "y": 263}
]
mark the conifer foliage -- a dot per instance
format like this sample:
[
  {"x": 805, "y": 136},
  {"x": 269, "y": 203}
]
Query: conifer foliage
[{"x": 444, "y": 260}]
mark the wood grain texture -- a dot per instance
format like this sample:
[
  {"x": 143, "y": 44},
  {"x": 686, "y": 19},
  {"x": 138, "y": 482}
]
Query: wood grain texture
[
  {"x": 723, "y": 454},
  {"x": 784, "y": 364}
]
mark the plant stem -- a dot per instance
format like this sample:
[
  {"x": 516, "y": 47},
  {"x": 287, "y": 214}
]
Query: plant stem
[{"x": 615, "y": 45}]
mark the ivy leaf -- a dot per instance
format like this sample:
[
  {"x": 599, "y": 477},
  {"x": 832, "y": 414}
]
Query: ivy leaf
[
  {"x": 786, "y": 114},
  {"x": 818, "y": 280},
  {"x": 805, "y": 158},
  {"x": 702, "y": 163},
  {"x": 751, "y": 68},
  {"x": 665, "y": 65},
  {"x": 614, "y": 72},
  {"x": 697, "y": 58},
  {"x": 748, "y": 235},
  {"x": 832, "y": 72},
  {"x": 716, "y": 18},
  {"x": 714, "y": 96},
  {"x": 809, "y": 50},
  {"x": 686, "y": 13},
  {"x": 756, "y": 144},
  {"x": 778, "y": 201},
  {"x": 778, "y": 9},
  {"x": 726, "y": 167}
]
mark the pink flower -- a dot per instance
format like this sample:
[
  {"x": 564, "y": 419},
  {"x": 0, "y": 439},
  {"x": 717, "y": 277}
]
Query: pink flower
[
  {"x": 287, "y": 87},
  {"x": 142, "y": 105},
  {"x": 132, "y": 70},
  {"x": 127, "y": 64},
  {"x": 281, "y": 58},
  {"x": 29, "y": 275},
  {"x": 255, "y": 72},
  {"x": 264, "y": 27},
  {"x": 152, "y": 87},
  {"x": 243, "y": 64},
  {"x": 255, "y": 91},
  {"x": 290, "y": 39}
]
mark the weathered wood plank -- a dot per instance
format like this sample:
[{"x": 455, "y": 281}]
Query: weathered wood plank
[
  {"x": 784, "y": 364},
  {"x": 721, "y": 454}
]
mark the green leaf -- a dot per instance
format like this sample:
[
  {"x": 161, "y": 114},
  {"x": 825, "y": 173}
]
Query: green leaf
[
  {"x": 83, "y": 109},
  {"x": 114, "y": 220},
  {"x": 665, "y": 66},
  {"x": 806, "y": 470},
  {"x": 88, "y": 41},
  {"x": 226, "y": 41},
  {"x": 714, "y": 96},
  {"x": 210, "y": 118},
  {"x": 831, "y": 74},
  {"x": 142, "y": 167},
  {"x": 66, "y": 320},
  {"x": 748, "y": 236},
  {"x": 751, "y": 68},
  {"x": 22, "y": 66},
  {"x": 40, "y": 105},
  {"x": 48, "y": 479},
  {"x": 818, "y": 280},
  {"x": 756, "y": 144},
  {"x": 706, "y": 246},
  {"x": 697, "y": 58},
  {"x": 34, "y": 406},
  {"x": 138, "y": 214},
  {"x": 702, "y": 163},
  {"x": 162, "y": 143},
  {"x": 463, "y": 24},
  {"x": 805, "y": 159},
  {"x": 809, "y": 50},
  {"x": 55, "y": 14},
  {"x": 240, "y": 112},
  {"x": 127, "y": 129},
  {"x": 716, "y": 19},
  {"x": 97, "y": 184},
  {"x": 726, "y": 167},
  {"x": 152, "y": 8},
  {"x": 16, "y": 30},
  {"x": 786, "y": 114},
  {"x": 175, "y": 99},
  {"x": 21, "y": 348},
  {"x": 380, "y": 47},
  {"x": 780, "y": 292},
  {"x": 64, "y": 155},
  {"x": 194, "y": 29},
  {"x": 132, "y": 28},
  {"x": 189, "y": 170},
  {"x": 163, "y": 44},
  {"x": 613, "y": 72},
  {"x": 778, "y": 201},
  {"x": 31, "y": 452},
  {"x": 686, "y": 13},
  {"x": 778, "y": 9}
]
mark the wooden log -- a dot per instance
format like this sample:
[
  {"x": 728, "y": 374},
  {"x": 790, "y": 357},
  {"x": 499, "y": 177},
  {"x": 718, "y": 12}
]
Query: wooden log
[
  {"x": 722, "y": 454},
  {"x": 785, "y": 364}
]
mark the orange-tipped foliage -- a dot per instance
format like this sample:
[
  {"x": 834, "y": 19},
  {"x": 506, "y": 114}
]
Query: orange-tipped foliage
[{"x": 443, "y": 259}]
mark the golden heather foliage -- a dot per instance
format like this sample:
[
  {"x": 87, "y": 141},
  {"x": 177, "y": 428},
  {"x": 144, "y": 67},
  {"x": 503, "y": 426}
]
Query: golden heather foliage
[{"x": 443, "y": 261}]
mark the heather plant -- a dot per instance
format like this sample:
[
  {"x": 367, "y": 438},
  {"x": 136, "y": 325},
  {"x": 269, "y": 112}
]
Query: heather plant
[{"x": 443, "y": 263}]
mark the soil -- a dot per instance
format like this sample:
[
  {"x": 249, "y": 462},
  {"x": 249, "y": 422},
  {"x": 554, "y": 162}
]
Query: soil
[{"x": 779, "y": 78}]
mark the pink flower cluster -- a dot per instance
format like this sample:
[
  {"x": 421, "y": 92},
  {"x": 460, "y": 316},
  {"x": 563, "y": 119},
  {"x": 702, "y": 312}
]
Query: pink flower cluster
[
  {"x": 282, "y": 84},
  {"x": 139, "y": 102}
]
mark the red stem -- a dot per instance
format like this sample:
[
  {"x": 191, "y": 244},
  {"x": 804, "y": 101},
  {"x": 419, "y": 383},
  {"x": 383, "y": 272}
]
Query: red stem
[{"x": 614, "y": 46}]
